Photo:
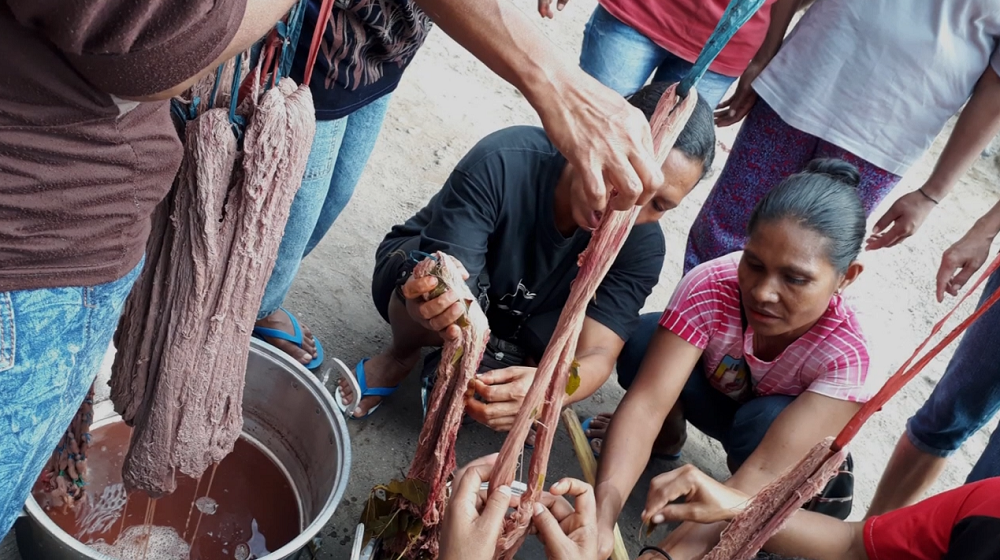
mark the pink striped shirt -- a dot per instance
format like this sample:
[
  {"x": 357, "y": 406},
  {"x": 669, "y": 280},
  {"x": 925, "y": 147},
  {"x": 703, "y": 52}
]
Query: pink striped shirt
[{"x": 830, "y": 359}]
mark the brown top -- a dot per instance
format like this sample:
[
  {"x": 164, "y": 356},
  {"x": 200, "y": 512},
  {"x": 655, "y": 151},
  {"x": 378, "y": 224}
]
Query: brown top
[{"x": 80, "y": 169}]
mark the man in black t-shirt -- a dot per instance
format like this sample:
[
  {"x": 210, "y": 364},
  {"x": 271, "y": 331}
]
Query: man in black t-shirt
[{"x": 507, "y": 214}]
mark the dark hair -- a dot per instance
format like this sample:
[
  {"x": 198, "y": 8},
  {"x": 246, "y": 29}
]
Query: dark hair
[
  {"x": 823, "y": 198},
  {"x": 697, "y": 140}
]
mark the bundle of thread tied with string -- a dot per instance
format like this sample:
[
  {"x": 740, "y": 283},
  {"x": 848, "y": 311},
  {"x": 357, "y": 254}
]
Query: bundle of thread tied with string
[
  {"x": 65, "y": 476},
  {"x": 183, "y": 340}
]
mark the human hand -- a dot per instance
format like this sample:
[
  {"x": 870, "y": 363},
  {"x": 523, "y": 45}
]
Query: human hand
[
  {"x": 960, "y": 261},
  {"x": 606, "y": 139},
  {"x": 734, "y": 109},
  {"x": 434, "y": 313},
  {"x": 469, "y": 520},
  {"x": 706, "y": 500},
  {"x": 906, "y": 215},
  {"x": 504, "y": 391},
  {"x": 605, "y": 541},
  {"x": 545, "y": 7},
  {"x": 567, "y": 532}
]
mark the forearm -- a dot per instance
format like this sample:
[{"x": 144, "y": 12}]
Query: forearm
[
  {"x": 805, "y": 535},
  {"x": 258, "y": 18},
  {"x": 819, "y": 537},
  {"x": 976, "y": 126},
  {"x": 625, "y": 450},
  {"x": 989, "y": 224},
  {"x": 502, "y": 37},
  {"x": 782, "y": 12}
]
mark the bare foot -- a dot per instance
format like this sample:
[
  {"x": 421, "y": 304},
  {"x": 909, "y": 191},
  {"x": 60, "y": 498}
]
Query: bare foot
[
  {"x": 279, "y": 320},
  {"x": 599, "y": 428},
  {"x": 382, "y": 370}
]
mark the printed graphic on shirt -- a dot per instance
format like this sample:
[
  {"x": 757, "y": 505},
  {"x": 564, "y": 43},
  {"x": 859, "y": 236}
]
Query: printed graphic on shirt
[
  {"x": 514, "y": 303},
  {"x": 732, "y": 378},
  {"x": 365, "y": 36}
]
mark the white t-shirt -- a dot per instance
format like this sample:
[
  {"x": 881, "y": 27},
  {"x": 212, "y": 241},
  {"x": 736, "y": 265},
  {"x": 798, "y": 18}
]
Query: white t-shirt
[{"x": 879, "y": 78}]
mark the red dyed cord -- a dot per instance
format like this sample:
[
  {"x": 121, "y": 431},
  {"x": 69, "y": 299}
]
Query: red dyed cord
[
  {"x": 905, "y": 373},
  {"x": 324, "y": 17}
]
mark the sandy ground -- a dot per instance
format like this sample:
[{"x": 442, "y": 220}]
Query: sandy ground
[{"x": 447, "y": 102}]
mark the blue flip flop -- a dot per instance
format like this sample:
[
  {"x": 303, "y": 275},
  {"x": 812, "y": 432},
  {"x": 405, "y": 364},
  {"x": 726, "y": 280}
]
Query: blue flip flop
[
  {"x": 360, "y": 387},
  {"x": 586, "y": 427},
  {"x": 295, "y": 338}
]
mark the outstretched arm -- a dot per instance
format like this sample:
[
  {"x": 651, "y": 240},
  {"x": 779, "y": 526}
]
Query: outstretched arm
[
  {"x": 503, "y": 390},
  {"x": 806, "y": 535},
  {"x": 594, "y": 127},
  {"x": 960, "y": 261},
  {"x": 732, "y": 110},
  {"x": 805, "y": 422},
  {"x": 976, "y": 126},
  {"x": 629, "y": 440}
]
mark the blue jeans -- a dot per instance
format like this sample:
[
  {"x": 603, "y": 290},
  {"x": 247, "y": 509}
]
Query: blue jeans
[
  {"x": 623, "y": 59},
  {"x": 739, "y": 427},
  {"x": 339, "y": 153},
  {"x": 967, "y": 397},
  {"x": 52, "y": 343}
]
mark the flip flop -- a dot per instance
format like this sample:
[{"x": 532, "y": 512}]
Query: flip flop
[
  {"x": 295, "y": 338},
  {"x": 359, "y": 387},
  {"x": 586, "y": 427}
]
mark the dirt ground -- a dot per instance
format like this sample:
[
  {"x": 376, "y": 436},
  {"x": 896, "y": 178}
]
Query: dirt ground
[{"x": 448, "y": 101}]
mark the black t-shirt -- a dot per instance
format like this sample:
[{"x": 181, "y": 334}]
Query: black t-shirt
[{"x": 495, "y": 214}]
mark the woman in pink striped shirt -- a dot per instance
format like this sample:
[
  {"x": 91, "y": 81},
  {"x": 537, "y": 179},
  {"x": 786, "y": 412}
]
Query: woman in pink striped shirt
[{"x": 757, "y": 349}]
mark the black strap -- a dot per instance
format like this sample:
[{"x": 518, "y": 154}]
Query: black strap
[
  {"x": 743, "y": 315},
  {"x": 655, "y": 549}
]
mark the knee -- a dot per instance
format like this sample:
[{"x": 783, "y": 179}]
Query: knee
[
  {"x": 750, "y": 425},
  {"x": 634, "y": 350}
]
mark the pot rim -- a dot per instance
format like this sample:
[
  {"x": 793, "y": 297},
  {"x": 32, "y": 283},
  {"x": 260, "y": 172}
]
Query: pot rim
[{"x": 322, "y": 395}]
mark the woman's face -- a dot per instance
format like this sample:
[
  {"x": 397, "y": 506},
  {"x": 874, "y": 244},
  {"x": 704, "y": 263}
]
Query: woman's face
[{"x": 786, "y": 279}]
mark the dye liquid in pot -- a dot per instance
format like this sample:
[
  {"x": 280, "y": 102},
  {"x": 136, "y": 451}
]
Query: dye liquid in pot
[{"x": 241, "y": 509}]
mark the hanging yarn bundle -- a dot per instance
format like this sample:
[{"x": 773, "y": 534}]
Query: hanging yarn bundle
[{"x": 184, "y": 338}]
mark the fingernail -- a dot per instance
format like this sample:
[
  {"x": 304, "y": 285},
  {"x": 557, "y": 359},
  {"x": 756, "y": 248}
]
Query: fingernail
[
  {"x": 539, "y": 508},
  {"x": 657, "y": 519},
  {"x": 505, "y": 490}
]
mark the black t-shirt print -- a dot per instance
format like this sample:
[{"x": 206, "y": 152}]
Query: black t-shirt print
[{"x": 495, "y": 214}]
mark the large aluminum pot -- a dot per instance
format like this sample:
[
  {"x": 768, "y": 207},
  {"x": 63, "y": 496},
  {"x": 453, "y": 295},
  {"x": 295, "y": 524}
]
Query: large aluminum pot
[{"x": 288, "y": 411}]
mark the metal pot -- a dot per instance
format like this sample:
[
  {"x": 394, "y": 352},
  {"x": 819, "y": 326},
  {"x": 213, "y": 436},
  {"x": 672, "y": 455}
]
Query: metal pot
[{"x": 286, "y": 410}]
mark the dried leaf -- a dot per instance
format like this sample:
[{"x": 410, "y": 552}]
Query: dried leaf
[
  {"x": 415, "y": 491},
  {"x": 458, "y": 356},
  {"x": 573, "y": 383}
]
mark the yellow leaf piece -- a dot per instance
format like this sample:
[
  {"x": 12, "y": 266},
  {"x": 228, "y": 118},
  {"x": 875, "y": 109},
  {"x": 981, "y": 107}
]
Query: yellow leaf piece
[
  {"x": 541, "y": 483},
  {"x": 573, "y": 383},
  {"x": 458, "y": 356}
]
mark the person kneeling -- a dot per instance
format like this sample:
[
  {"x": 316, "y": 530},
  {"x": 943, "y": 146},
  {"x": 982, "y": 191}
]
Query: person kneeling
[
  {"x": 757, "y": 349},
  {"x": 507, "y": 215}
]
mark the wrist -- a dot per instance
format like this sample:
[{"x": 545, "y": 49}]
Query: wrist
[
  {"x": 935, "y": 190},
  {"x": 988, "y": 226}
]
